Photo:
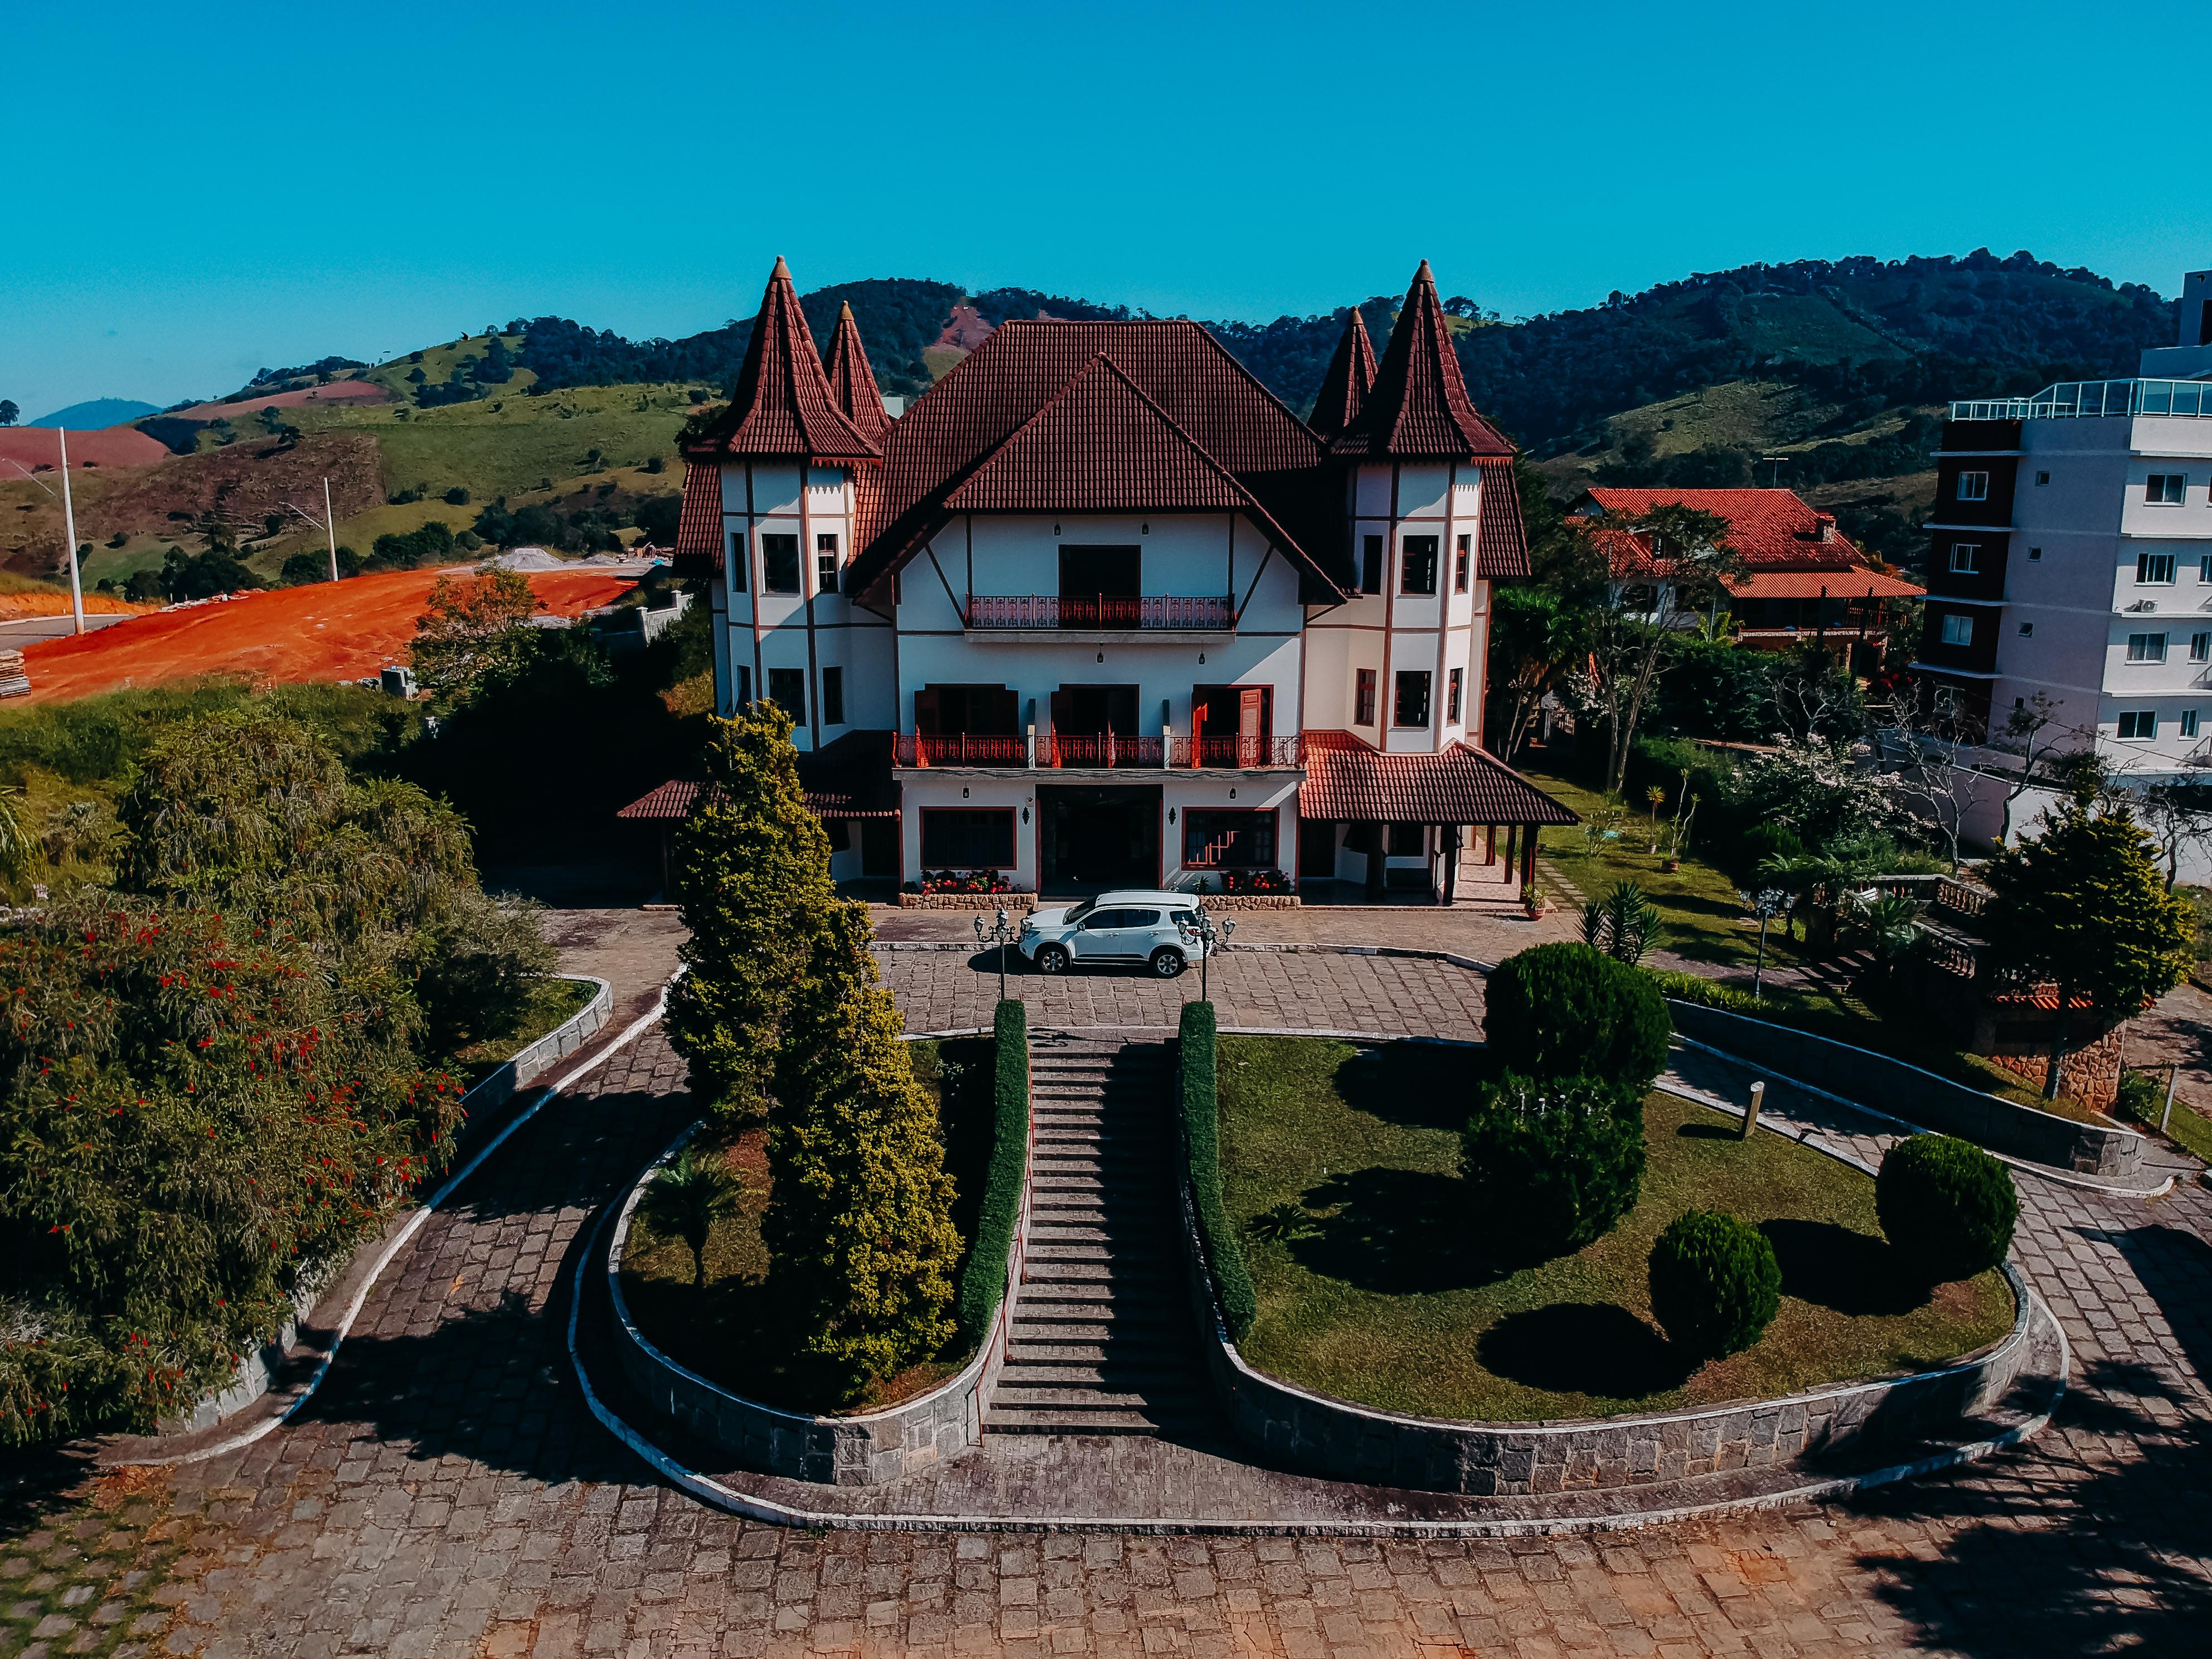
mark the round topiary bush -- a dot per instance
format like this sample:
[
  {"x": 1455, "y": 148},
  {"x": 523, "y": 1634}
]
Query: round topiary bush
[
  {"x": 1947, "y": 1208},
  {"x": 1551, "y": 1165},
  {"x": 1715, "y": 1283},
  {"x": 1568, "y": 1011}
]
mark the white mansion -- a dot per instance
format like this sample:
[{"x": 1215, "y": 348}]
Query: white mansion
[{"x": 1099, "y": 608}]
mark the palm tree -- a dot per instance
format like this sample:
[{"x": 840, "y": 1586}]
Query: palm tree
[{"x": 687, "y": 1199}]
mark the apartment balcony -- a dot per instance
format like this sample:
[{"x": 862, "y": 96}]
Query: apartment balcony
[
  {"x": 1052, "y": 615},
  {"x": 1097, "y": 752}
]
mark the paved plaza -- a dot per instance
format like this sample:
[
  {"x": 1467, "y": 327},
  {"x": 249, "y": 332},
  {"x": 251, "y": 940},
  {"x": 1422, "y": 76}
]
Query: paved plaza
[{"x": 446, "y": 1493}]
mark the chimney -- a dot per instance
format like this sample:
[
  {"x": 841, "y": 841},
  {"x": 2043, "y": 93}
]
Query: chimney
[{"x": 1827, "y": 523}]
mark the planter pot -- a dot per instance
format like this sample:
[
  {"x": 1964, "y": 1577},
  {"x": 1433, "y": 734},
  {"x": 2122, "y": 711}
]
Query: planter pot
[{"x": 1671, "y": 865}]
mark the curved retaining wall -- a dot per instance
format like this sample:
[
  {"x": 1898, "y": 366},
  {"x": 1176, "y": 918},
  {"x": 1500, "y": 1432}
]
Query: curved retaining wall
[
  {"x": 1347, "y": 1441},
  {"x": 257, "y": 1368},
  {"x": 862, "y": 1450},
  {"x": 1920, "y": 1097}
]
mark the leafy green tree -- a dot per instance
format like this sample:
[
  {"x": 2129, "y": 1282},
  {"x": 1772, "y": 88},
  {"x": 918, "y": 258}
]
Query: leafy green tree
[
  {"x": 686, "y": 1199},
  {"x": 858, "y": 1224},
  {"x": 9, "y": 413},
  {"x": 1564, "y": 1010},
  {"x": 752, "y": 874},
  {"x": 2084, "y": 906},
  {"x": 473, "y": 632},
  {"x": 1534, "y": 636}
]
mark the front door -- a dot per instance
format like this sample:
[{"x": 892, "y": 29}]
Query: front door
[
  {"x": 1316, "y": 850},
  {"x": 1099, "y": 837}
]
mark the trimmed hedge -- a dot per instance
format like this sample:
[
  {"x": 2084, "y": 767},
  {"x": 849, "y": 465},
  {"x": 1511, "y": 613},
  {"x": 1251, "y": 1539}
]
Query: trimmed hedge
[
  {"x": 1947, "y": 1208},
  {"x": 1551, "y": 1165},
  {"x": 984, "y": 1284},
  {"x": 1568, "y": 1011},
  {"x": 1715, "y": 1283},
  {"x": 1201, "y": 1138}
]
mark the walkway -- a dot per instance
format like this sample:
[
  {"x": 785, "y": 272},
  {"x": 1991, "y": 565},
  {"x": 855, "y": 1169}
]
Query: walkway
[{"x": 448, "y": 1495}]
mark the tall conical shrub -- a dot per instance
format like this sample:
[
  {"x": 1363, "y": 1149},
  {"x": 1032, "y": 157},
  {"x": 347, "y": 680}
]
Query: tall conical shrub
[
  {"x": 752, "y": 874},
  {"x": 859, "y": 1228}
]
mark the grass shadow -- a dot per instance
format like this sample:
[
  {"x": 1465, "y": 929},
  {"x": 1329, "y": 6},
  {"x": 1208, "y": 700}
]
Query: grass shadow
[
  {"x": 1399, "y": 1231},
  {"x": 1583, "y": 1347},
  {"x": 1413, "y": 1083},
  {"x": 1706, "y": 1132},
  {"x": 1831, "y": 1266}
]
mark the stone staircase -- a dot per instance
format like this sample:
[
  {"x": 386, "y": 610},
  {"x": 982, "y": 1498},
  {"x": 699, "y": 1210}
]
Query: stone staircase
[{"x": 1101, "y": 1340}]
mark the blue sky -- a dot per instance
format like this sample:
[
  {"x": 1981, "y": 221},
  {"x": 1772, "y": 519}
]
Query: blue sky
[{"x": 200, "y": 191}]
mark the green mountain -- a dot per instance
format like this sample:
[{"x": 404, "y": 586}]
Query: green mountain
[{"x": 99, "y": 412}]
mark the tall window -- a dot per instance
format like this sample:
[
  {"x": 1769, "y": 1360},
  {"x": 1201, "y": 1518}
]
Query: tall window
[
  {"x": 2189, "y": 722},
  {"x": 1462, "y": 564},
  {"x": 1958, "y": 629},
  {"x": 825, "y": 564},
  {"x": 1370, "y": 564},
  {"x": 1966, "y": 558},
  {"x": 1973, "y": 486},
  {"x": 2200, "y": 647},
  {"x": 2146, "y": 647},
  {"x": 1419, "y": 565},
  {"x": 2154, "y": 570},
  {"x": 1364, "y": 706},
  {"x": 787, "y": 689},
  {"x": 1411, "y": 706},
  {"x": 2165, "y": 488},
  {"x": 2139, "y": 726},
  {"x": 737, "y": 562},
  {"x": 833, "y": 697},
  {"x": 2204, "y": 569},
  {"x": 1451, "y": 695},
  {"x": 778, "y": 564},
  {"x": 744, "y": 687}
]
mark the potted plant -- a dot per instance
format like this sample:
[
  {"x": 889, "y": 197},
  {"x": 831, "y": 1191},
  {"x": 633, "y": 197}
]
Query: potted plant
[{"x": 1534, "y": 901}]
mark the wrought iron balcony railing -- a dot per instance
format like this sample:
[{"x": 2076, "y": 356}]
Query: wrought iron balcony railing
[
  {"x": 1113, "y": 749},
  {"x": 1146, "y": 613}
]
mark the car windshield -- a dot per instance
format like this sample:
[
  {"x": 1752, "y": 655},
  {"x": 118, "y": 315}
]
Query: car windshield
[{"x": 1079, "y": 912}]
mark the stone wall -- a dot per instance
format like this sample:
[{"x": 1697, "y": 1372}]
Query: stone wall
[
  {"x": 1014, "y": 905},
  {"x": 860, "y": 1450},
  {"x": 1919, "y": 1097},
  {"x": 1333, "y": 1438}
]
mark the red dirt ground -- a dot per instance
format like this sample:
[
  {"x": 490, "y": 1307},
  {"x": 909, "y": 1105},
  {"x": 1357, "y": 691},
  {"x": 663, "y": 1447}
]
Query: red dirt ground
[
  {"x": 338, "y": 392},
  {"x": 115, "y": 446},
  {"x": 292, "y": 634}
]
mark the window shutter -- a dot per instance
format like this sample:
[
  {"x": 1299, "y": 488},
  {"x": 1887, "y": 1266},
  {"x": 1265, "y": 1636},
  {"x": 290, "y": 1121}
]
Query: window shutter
[{"x": 1063, "y": 708}]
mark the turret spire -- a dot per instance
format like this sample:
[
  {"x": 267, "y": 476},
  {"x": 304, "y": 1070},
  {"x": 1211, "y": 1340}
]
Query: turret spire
[
  {"x": 1418, "y": 407},
  {"x": 852, "y": 382},
  {"x": 782, "y": 407},
  {"x": 1345, "y": 385}
]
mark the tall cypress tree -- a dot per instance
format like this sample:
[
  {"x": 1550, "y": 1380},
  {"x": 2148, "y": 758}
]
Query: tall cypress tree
[
  {"x": 860, "y": 1225},
  {"x": 752, "y": 874}
]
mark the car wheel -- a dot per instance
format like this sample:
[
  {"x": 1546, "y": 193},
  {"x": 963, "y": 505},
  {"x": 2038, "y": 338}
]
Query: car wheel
[
  {"x": 1052, "y": 959},
  {"x": 1167, "y": 962}
]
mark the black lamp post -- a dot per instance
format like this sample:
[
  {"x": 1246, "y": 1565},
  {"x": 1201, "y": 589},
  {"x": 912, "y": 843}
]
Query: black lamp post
[
  {"x": 1001, "y": 933},
  {"x": 1207, "y": 933},
  {"x": 1766, "y": 904}
]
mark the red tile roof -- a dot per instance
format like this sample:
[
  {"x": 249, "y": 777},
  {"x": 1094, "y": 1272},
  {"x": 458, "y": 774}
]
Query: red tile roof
[
  {"x": 1098, "y": 445},
  {"x": 1344, "y": 385},
  {"x": 1501, "y": 533},
  {"x": 852, "y": 383},
  {"x": 1854, "y": 584},
  {"x": 1772, "y": 527},
  {"x": 783, "y": 408},
  {"x": 1417, "y": 409},
  {"x": 850, "y": 778},
  {"x": 699, "y": 522},
  {"x": 1350, "y": 781},
  {"x": 1206, "y": 393}
]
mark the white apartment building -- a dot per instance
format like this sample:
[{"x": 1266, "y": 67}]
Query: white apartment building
[
  {"x": 1098, "y": 609},
  {"x": 2070, "y": 555}
]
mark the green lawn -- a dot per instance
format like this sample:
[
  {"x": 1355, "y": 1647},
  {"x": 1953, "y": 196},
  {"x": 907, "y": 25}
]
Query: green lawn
[
  {"x": 1376, "y": 1292},
  {"x": 1703, "y": 921},
  {"x": 728, "y": 1333},
  {"x": 552, "y": 1005}
]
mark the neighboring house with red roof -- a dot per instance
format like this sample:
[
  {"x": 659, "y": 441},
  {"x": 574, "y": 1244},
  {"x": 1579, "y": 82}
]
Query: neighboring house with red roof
[
  {"x": 1098, "y": 609},
  {"x": 1804, "y": 581}
]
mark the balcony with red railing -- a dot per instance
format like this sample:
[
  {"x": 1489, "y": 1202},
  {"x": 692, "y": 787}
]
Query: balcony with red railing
[
  {"x": 1094, "y": 752},
  {"x": 1148, "y": 613}
]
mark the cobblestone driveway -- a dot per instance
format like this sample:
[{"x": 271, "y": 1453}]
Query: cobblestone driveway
[{"x": 447, "y": 1494}]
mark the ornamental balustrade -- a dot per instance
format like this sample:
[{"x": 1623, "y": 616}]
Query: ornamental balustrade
[
  {"x": 1136, "y": 614},
  {"x": 1105, "y": 750}
]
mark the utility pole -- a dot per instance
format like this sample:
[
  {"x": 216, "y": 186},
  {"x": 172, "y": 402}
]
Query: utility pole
[
  {"x": 330, "y": 526},
  {"x": 69, "y": 521}
]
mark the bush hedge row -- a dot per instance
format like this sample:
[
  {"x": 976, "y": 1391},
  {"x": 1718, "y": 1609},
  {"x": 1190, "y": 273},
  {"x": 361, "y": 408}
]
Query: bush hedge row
[
  {"x": 983, "y": 1283},
  {"x": 1202, "y": 1139}
]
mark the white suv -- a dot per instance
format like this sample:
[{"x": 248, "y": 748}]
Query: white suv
[{"x": 1141, "y": 928}]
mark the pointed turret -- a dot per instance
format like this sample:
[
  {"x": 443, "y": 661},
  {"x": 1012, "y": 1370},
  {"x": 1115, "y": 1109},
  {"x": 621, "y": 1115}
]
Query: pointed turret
[
  {"x": 853, "y": 383},
  {"x": 1417, "y": 408},
  {"x": 1344, "y": 386},
  {"x": 783, "y": 408}
]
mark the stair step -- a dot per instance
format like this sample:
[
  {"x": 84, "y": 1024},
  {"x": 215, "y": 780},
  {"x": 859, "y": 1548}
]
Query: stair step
[
  {"x": 999, "y": 1420},
  {"x": 1133, "y": 1381},
  {"x": 1083, "y": 1400}
]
